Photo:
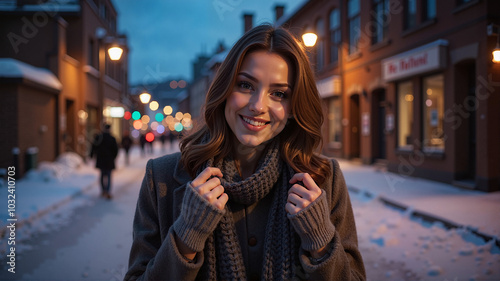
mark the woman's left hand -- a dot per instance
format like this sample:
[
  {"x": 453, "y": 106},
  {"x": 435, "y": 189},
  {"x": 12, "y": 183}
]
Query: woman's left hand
[{"x": 299, "y": 197}]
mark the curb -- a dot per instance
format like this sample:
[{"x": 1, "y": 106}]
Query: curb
[{"x": 424, "y": 215}]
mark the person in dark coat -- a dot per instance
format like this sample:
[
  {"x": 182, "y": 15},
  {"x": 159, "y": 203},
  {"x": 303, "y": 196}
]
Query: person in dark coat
[
  {"x": 126, "y": 144},
  {"x": 105, "y": 149}
]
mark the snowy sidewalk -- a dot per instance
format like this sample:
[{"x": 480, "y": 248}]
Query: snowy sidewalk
[
  {"x": 42, "y": 193},
  {"x": 434, "y": 201}
]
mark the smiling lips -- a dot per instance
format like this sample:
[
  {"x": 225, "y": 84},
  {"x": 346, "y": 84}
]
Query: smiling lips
[{"x": 253, "y": 124}]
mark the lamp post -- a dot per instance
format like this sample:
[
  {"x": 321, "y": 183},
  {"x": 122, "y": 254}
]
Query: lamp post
[{"x": 115, "y": 52}]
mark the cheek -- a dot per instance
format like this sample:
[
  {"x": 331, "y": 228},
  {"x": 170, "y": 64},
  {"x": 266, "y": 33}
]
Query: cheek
[{"x": 281, "y": 112}]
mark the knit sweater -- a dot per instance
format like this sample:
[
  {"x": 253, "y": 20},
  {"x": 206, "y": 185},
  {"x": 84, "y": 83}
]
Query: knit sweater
[{"x": 154, "y": 254}]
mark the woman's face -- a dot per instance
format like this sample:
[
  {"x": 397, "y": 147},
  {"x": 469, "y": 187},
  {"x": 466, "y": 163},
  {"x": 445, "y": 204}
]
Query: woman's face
[{"x": 259, "y": 105}]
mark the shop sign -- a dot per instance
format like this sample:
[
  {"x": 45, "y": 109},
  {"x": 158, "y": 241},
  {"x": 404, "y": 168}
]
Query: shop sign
[
  {"x": 420, "y": 60},
  {"x": 329, "y": 86}
]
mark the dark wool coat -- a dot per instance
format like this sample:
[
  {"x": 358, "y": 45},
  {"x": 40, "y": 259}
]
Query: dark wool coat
[
  {"x": 105, "y": 149},
  {"x": 155, "y": 256}
]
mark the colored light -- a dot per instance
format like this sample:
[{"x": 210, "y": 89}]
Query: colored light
[
  {"x": 137, "y": 124},
  {"x": 159, "y": 117},
  {"x": 136, "y": 115},
  {"x": 135, "y": 134},
  {"x": 145, "y": 97},
  {"x": 154, "y": 125},
  {"x": 145, "y": 119},
  {"x": 153, "y": 105},
  {"x": 167, "y": 110},
  {"x": 127, "y": 115},
  {"x": 179, "y": 127},
  {"x": 150, "y": 137},
  {"x": 187, "y": 116},
  {"x": 179, "y": 116},
  {"x": 173, "y": 84},
  {"x": 115, "y": 53},
  {"x": 181, "y": 84},
  {"x": 160, "y": 129}
]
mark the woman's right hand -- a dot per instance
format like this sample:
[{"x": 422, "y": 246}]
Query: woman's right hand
[{"x": 208, "y": 185}]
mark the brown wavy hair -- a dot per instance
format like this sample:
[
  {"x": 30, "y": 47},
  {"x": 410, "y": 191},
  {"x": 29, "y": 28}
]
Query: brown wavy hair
[{"x": 300, "y": 138}]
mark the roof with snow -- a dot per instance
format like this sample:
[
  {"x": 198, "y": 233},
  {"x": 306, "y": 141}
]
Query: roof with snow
[
  {"x": 47, "y": 6},
  {"x": 12, "y": 68},
  {"x": 217, "y": 58}
]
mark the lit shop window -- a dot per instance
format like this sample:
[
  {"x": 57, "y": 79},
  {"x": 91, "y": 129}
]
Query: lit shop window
[
  {"x": 334, "y": 120},
  {"x": 433, "y": 112},
  {"x": 405, "y": 114}
]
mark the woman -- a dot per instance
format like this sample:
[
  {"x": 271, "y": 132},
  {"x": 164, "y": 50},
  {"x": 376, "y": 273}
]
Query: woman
[{"x": 247, "y": 197}]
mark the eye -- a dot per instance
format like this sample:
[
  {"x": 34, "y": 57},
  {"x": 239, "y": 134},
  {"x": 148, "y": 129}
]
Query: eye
[
  {"x": 279, "y": 94},
  {"x": 244, "y": 85}
]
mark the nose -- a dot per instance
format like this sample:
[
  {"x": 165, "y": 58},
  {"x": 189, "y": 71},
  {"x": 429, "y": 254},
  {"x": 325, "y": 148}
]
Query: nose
[{"x": 258, "y": 102}]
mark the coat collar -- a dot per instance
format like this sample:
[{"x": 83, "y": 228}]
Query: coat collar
[{"x": 180, "y": 174}]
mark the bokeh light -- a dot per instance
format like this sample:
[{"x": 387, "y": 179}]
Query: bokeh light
[
  {"x": 179, "y": 116},
  {"x": 137, "y": 124},
  {"x": 159, "y": 117},
  {"x": 167, "y": 110},
  {"x": 154, "y": 125},
  {"x": 136, "y": 115},
  {"x": 160, "y": 129},
  {"x": 127, "y": 115},
  {"x": 145, "y": 119},
  {"x": 181, "y": 84},
  {"x": 154, "y": 105},
  {"x": 173, "y": 84},
  {"x": 150, "y": 137},
  {"x": 178, "y": 127},
  {"x": 135, "y": 133}
]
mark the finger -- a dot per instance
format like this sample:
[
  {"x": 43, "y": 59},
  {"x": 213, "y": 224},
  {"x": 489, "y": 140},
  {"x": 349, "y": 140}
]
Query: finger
[
  {"x": 298, "y": 201},
  {"x": 304, "y": 193},
  {"x": 291, "y": 209},
  {"x": 214, "y": 194},
  {"x": 208, "y": 186},
  {"x": 308, "y": 181},
  {"x": 206, "y": 174},
  {"x": 221, "y": 201}
]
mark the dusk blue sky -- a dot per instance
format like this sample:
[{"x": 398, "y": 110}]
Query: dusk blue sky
[{"x": 165, "y": 36}]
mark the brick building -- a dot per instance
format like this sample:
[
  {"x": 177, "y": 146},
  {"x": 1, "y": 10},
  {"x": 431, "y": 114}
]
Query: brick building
[
  {"x": 65, "y": 42},
  {"x": 409, "y": 84}
]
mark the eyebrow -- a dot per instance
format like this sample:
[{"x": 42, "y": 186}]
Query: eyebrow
[{"x": 284, "y": 85}]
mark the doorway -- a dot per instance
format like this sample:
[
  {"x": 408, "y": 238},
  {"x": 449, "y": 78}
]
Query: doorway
[
  {"x": 378, "y": 130},
  {"x": 354, "y": 127}
]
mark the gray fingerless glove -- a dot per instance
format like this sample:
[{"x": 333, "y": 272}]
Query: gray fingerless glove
[
  {"x": 313, "y": 224},
  {"x": 198, "y": 219}
]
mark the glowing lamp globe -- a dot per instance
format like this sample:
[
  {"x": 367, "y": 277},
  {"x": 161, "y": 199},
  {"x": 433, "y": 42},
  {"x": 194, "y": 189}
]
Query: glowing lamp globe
[
  {"x": 309, "y": 39},
  {"x": 115, "y": 53}
]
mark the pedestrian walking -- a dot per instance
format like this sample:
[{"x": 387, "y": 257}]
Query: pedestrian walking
[
  {"x": 105, "y": 149},
  {"x": 142, "y": 141},
  {"x": 126, "y": 144},
  {"x": 247, "y": 197}
]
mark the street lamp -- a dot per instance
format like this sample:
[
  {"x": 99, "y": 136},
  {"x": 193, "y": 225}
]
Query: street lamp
[
  {"x": 309, "y": 39},
  {"x": 494, "y": 29},
  {"x": 115, "y": 53},
  {"x": 145, "y": 97}
]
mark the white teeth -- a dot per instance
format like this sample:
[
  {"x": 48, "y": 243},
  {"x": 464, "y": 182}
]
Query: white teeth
[{"x": 252, "y": 122}]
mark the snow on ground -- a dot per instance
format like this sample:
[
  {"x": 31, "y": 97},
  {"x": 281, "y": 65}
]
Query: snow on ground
[{"x": 396, "y": 246}]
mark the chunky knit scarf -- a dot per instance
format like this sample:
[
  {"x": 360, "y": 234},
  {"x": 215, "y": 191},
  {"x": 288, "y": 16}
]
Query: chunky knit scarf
[{"x": 223, "y": 258}]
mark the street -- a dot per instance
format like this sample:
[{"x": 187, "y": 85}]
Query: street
[{"x": 93, "y": 242}]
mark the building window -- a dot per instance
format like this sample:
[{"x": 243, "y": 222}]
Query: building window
[
  {"x": 334, "y": 120},
  {"x": 353, "y": 10},
  {"x": 433, "y": 112},
  {"x": 380, "y": 16},
  {"x": 405, "y": 114},
  {"x": 334, "y": 35},
  {"x": 410, "y": 14},
  {"x": 429, "y": 9},
  {"x": 320, "y": 45}
]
